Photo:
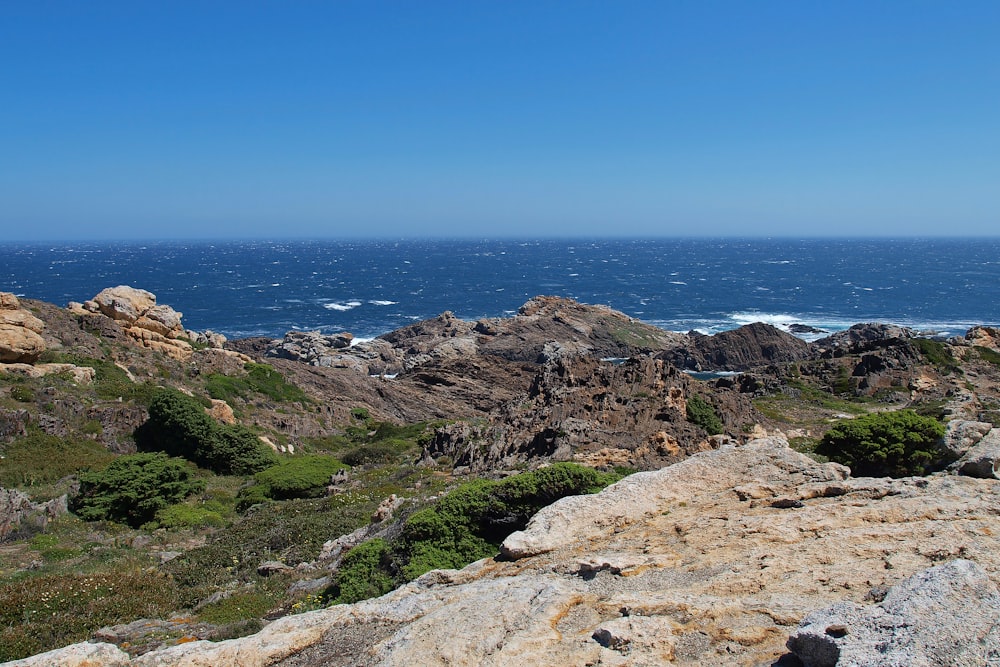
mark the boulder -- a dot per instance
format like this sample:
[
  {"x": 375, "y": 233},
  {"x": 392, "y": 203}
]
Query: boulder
[
  {"x": 982, "y": 460},
  {"x": 20, "y": 339},
  {"x": 961, "y": 435},
  {"x": 741, "y": 349},
  {"x": 123, "y": 303},
  {"x": 945, "y": 615},
  {"x": 861, "y": 338}
]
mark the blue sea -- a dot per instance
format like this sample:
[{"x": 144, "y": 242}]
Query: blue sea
[{"x": 264, "y": 288}]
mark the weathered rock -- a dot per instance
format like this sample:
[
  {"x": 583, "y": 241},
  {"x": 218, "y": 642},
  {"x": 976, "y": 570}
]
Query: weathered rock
[
  {"x": 82, "y": 375},
  {"x": 983, "y": 459},
  {"x": 16, "y": 510},
  {"x": 988, "y": 337},
  {"x": 862, "y": 338},
  {"x": 13, "y": 424},
  {"x": 221, "y": 411},
  {"x": 742, "y": 349},
  {"x": 267, "y": 568},
  {"x": 948, "y": 615},
  {"x": 85, "y": 654},
  {"x": 961, "y": 435},
  {"x": 123, "y": 303},
  {"x": 20, "y": 339}
]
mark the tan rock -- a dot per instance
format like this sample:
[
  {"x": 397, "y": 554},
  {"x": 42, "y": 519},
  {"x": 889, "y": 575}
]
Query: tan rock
[
  {"x": 124, "y": 303},
  {"x": 81, "y": 375},
  {"x": 21, "y": 318},
  {"x": 19, "y": 344},
  {"x": 8, "y": 301},
  {"x": 221, "y": 411},
  {"x": 84, "y": 654}
]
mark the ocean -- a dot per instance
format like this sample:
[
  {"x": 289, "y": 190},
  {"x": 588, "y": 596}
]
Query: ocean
[{"x": 266, "y": 288}]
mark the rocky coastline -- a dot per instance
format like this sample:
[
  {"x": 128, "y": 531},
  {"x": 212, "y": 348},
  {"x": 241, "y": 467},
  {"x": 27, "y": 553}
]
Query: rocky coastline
[{"x": 727, "y": 544}]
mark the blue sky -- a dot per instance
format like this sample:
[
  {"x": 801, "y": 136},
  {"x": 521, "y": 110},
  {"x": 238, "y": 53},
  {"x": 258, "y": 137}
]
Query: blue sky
[{"x": 485, "y": 119}]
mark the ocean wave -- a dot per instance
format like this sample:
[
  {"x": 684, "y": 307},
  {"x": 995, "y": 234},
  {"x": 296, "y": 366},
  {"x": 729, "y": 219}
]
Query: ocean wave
[
  {"x": 381, "y": 302},
  {"x": 341, "y": 306}
]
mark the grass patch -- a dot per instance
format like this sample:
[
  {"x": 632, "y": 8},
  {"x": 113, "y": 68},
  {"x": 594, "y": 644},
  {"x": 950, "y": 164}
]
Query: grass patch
[
  {"x": 39, "y": 458},
  {"x": 260, "y": 379},
  {"x": 938, "y": 354},
  {"x": 988, "y": 355}
]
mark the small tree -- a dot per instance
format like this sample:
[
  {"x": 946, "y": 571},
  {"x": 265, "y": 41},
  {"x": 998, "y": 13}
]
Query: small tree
[
  {"x": 134, "y": 488},
  {"x": 179, "y": 426},
  {"x": 894, "y": 444}
]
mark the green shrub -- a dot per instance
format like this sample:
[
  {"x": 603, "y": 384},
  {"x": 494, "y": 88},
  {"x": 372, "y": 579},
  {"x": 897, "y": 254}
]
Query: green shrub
[
  {"x": 887, "y": 443},
  {"x": 376, "y": 452},
  {"x": 701, "y": 413},
  {"x": 188, "y": 516},
  {"x": 134, "y": 488},
  {"x": 179, "y": 426},
  {"x": 361, "y": 414},
  {"x": 301, "y": 477},
  {"x": 363, "y": 572},
  {"x": 937, "y": 353},
  {"x": 988, "y": 355}
]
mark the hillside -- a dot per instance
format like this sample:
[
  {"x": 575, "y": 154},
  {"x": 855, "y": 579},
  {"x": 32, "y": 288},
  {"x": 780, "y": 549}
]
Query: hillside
[{"x": 720, "y": 550}]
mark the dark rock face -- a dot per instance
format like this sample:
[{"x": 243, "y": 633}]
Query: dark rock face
[
  {"x": 742, "y": 349},
  {"x": 862, "y": 338},
  {"x": 599, "y": 413}
]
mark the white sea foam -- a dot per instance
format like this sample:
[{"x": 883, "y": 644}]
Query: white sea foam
[
  {"x": 677, "y": 282},
  {"x": 342, "y": 306},
  {"x": 381, "y": 302}
]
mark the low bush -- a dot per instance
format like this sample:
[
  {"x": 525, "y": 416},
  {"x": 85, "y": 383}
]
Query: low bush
[
  {"x": 133, "y": 488},
  {"x": 701, "y": 413},
  {"x": 893, "y": 444},
  {"x": 364, "y": 572},
  {"x": 937, "y": 353},
  {"x": 189, "y": 516},
  {"x": 300, "y": 477}
]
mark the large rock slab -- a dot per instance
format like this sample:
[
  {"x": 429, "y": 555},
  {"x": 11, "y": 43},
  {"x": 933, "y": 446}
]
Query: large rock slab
[{"x": 946, "y": 615}]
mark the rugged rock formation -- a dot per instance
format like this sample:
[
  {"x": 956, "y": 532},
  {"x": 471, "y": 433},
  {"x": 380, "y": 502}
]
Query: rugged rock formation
[
  {"x": 714, "y": 560},
  {"x": 748, "y": 347},
  {"x": 988, "y": 337},
  {"x": 596, "y": 412},
  {"x": 862, "y": 338},
  {"x": 16, "y": 509},
  {"x": 20, "y": 339},
  {"x": 157, "y": 327}
]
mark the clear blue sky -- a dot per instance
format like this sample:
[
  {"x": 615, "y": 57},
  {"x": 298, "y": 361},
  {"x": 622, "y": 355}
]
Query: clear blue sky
[{"x": 173, "y": 119}]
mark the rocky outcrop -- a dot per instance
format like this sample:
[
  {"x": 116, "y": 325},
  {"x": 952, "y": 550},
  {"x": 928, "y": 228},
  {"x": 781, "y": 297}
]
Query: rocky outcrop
[
  {"x": 717, "y": 559},
  {"x": 748, "y": 347},
  {"x": 20, "y": 332},
  {"x": 17, "y": 510},
  {"x": 596, "y": 412},
  {"x": 982, "y": 459},
  {"x": 862, "y": 338},
  {"x": 988, "y": 337},
  {"x": 946, "y": 615},
  {"x": 153, "y": 326}
]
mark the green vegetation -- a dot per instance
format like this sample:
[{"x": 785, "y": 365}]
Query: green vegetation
[
  {"x": 466, "y": 525},
  {"x": 937, "y": 353},
  {"x": 896, "y": 444},
  {"x": 701, "y": 413},
  {"x": 179, "y": 426},
  {"x": 39, "y": 458},
  {"x": 988, "y": 355},
  {"x": 301, "y": 477},
  {"x": 22, "y": 394},
  {"x": 133, "y": 488},
  {"x": 261, "y": 379}
]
